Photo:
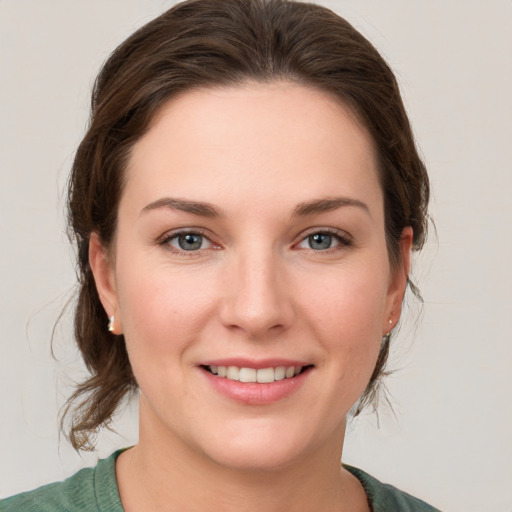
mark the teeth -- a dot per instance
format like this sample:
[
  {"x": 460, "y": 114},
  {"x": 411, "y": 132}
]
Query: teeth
[
  {"x": 247, "y": 375},
  {"x": 280, "y": 373},
  {"x": 233, "y": 373},
  {"x": 263, "y": 375},
  {"x": 290, "y": 372}
]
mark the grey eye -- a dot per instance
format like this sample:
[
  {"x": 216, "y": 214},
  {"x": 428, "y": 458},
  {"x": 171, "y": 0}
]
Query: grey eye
[
  {"x": 189, "y": 241},
  {"x": 320, "y": 241}
]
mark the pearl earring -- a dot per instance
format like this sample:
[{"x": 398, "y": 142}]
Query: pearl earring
[
  {"x": 387, "y": 336},
  {"x": 111, "y": 324}
]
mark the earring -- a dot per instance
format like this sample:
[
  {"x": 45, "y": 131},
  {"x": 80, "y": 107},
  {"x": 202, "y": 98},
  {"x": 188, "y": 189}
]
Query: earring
[
  {"x": 111, "y": 324},
  {"x": 387, "y": 336}
]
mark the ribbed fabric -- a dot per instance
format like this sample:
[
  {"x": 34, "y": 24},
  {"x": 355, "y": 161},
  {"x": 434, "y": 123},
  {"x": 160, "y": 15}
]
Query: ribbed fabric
[
  {"x": 89, "y": 490},
  {"x": 95, "y": 490},
  {"x": 386, "y": 498}
]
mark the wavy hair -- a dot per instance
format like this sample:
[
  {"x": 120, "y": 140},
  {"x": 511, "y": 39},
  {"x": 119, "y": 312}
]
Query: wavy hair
[{"x": 201, "y": 43}]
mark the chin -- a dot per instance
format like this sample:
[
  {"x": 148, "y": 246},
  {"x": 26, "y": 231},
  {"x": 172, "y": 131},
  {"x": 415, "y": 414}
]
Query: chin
[
  {"x": 265, "y": 447},
  {"x": 255, "y": 455}
]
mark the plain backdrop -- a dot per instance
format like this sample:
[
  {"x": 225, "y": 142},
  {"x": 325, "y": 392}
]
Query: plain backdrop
[{"x": 449, "y": 437}]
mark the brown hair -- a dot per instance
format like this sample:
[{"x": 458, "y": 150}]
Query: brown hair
[{"x": 220, "y": 42}]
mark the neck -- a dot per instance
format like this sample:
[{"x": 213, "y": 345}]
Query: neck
[{"x": 161, "y": 473}]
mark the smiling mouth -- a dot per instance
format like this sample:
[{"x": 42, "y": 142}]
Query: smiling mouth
[{"x": 261, "y": 375}]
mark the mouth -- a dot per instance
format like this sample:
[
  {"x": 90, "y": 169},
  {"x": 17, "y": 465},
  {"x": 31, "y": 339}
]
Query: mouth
[{"x": 253, "y": 375}]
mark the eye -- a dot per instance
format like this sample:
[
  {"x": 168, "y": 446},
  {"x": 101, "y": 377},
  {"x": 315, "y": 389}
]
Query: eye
[
  {"x": 323, "y": 241},
  {"x": 189, "y": 242}
]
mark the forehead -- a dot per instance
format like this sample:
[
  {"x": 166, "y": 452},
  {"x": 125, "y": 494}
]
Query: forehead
[{"x": 253, "y": 142}]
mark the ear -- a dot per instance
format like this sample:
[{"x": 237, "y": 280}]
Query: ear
[
  {"x": 398, "y": 282},
  {"x": 103, "y": 272}
]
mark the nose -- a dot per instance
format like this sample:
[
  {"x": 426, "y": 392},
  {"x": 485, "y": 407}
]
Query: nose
[{"x": 256, "y": 298}]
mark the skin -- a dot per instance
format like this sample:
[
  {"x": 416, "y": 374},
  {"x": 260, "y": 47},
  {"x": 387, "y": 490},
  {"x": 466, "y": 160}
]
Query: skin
[{"x": 256, "y": 288}]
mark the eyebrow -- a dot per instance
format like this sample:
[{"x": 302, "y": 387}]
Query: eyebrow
[
  {"x": 326, "y": 205},
  {"x": 195, "y": 207},
  {"x": 204, "y": 209}
]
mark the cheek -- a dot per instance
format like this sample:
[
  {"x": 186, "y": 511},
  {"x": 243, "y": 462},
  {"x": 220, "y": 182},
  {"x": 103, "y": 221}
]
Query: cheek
[
  {"x": 162, "y": 311},
  {"x": 344, "y": 312},
  {"x": 349, "y": 301}
]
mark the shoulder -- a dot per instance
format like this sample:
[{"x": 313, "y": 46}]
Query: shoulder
[
  {"x": 89, "y": 490},
  {"x": 385, "y": 497},
  {"x": 72, "y": 494}
]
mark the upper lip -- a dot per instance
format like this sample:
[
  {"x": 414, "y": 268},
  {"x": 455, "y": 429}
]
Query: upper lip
[{"x": 257, "y": 364}]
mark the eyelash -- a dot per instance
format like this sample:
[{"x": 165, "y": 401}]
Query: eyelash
[
  {"x": 165, "y": 241},
  {"x": 343, "y": 239}
]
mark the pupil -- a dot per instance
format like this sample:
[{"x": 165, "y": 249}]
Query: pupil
[
  {"x": 190, "y": 241},
  {"x": 320, "y": 241}
]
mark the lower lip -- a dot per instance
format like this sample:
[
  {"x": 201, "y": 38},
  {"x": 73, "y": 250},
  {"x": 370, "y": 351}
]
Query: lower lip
[{"x": 252, "y": 393}]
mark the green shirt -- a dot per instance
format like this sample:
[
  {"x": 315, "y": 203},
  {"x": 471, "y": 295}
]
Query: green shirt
[{"x": 95, "y": 490}]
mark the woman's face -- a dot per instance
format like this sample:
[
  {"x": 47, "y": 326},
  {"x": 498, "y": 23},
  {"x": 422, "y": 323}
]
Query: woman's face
[{"x": 251, "y": 235}]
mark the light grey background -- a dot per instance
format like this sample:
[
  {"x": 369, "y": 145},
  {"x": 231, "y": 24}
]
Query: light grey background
[{"x": 451, "y": 440}]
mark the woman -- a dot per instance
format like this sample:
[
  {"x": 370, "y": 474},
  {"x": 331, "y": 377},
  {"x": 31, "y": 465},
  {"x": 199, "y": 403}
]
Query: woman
[{"x": 245, "y": 203}]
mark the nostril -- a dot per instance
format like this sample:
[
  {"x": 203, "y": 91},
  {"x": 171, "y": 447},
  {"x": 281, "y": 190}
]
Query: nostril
[{"x": 256, "y": 299}]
